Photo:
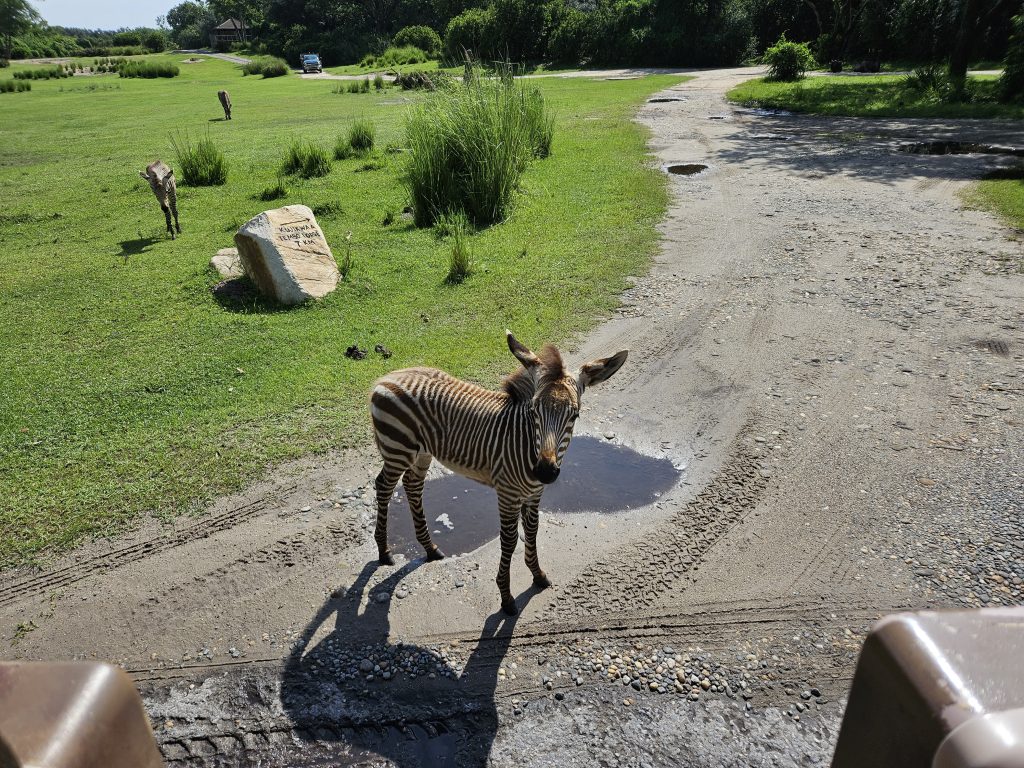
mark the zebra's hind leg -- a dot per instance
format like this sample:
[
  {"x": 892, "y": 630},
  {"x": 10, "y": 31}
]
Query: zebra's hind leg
[
  {"x": 531, "y": 520},
  {"x": 413, "y": 483},
  {"x": 385, "y": 486},
  {"x": 167, "y": 217},
  {"x": 508, "y": 513}
]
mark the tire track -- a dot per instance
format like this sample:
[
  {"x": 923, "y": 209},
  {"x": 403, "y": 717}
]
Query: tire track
[
  {"x": 63, "y": 577},
  {"x": 635, "y": 575}
]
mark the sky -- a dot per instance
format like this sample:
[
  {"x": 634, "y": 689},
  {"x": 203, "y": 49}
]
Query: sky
[{"x": 103, "y": 14}]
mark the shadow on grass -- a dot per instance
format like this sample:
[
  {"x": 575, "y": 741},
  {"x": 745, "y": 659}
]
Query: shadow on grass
[
  {"x": 136, "y": 247},
  {"x": 424, "y": 714},
  {"x": 239, "y": 294}
]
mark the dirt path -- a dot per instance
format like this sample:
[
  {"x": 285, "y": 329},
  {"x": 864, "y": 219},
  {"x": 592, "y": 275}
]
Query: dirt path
[{"x": 828, "y": 348}]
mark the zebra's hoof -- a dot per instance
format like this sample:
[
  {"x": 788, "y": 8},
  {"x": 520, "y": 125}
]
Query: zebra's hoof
[
  {"x": 541, "y": 582},
  {"x": 435, "y": 554},
  {"x": 386, "y": 559},
  {"x": 509, "y": 607}
]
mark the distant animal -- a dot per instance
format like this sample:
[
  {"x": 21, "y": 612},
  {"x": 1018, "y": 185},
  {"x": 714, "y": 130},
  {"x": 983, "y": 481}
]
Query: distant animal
[
  {"x": 161, "y": 181},
  {"x": 225, "y": 101},
  {"x": 512, "y": 439}
]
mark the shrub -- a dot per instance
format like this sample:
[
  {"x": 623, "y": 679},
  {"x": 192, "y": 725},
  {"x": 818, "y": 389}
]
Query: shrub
[
  {"x": 361, "y": 135},
  {"x": 471, "y": 31},
  {"x": 572, "y": 39},
  {"x": 148, "y": 69},
  {"x": 460, "y": 260},
  {"x": 418, "y": 80},
  {"x": 1011, "y": 83},
  {"x": 469, "y": 146},
  {"x": 4, "y": 63},
  {"x": 379, "y": 82},
  {"x": 307, "y": 159},
  {"x": 155, "y": 41},
  {"x": 419, "y": 36},
  {"x": 268, "y": 66},
  {"x": 201, "y": 164},
  {"x": 788, "y": 61},
  {"x": 42, "y": 73},
  {"x": 395, "y": 57},
  {"x": 15, "y": 86}
]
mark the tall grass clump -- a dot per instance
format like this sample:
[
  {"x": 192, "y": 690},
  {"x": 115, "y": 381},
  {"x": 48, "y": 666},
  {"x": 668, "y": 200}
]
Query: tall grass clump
[
  {"x": 42, "y": 73},
  {"x": 460, "y": 260},
  {"x": 361, "y": 135},
  {"x": 201, "y": 164},
  {"x": 308, "y": 159},
  {"x": 277, "y": 191},
  {"x": 378, "y": 82},
  {"x": 469, "y": 145},
  {"x": 268, "y": 66},
  {"x": 148, "y": 69},
  {"x": 15, "y": 86}
]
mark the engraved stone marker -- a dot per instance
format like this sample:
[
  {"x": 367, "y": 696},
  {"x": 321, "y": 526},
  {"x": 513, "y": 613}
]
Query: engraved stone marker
[{"x": 285, "y": 254}]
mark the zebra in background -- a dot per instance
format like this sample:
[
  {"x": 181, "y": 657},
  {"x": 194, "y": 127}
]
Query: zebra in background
[
  {"x": 512, "y": 439},
  {"x": 225, "y": 101},
  {"x": 161, "y": 181}
]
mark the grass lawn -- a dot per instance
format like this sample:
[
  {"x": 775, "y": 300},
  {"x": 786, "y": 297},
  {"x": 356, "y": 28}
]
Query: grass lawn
[
  {"x": 128, "y": 389},
  {"x": 870, "y": 96},
  {"x": 1005, "y": 196}
]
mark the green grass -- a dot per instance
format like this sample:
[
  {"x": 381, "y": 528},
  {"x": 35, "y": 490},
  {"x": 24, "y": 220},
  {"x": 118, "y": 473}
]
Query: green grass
[
  {"x": 871, "y": 96},
  {"x": 129, "y": 390},
  {"x": 1004, "y": 194}
]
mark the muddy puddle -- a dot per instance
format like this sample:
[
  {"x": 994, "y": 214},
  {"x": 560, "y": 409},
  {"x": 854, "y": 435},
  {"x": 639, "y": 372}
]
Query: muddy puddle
[
  {"x": 665, "y": 99},
  {"x": 597, "y": 476},
  {"x": 684, "y": 169}
]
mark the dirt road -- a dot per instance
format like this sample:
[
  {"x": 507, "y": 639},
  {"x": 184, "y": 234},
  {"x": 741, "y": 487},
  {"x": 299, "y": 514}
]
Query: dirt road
[{"x": 827, "y": 358}]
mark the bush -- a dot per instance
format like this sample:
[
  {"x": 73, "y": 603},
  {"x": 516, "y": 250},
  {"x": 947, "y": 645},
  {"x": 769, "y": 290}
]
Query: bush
[
  {"x": 460, "y": 261},
  {"x": 1011, "y": 83},
  {"x": 419, "y": 36},
  {"x": 155, "y": 41},
  {"x": 788, "y": 61},
  {"x": 268, "y": 66},
  {"x": 571, "y": 41},
  {"x": 15, "y": 86},
  {"x": 395, "y": 57},
  {"x": 307, "y": 159},
  {"x": 148, "y": 69},
  {"x": 4, "y": 63},
  {"x": 471, "y": 31},
  {"x": 201, "y": 164},
  {"x": 429, "y": 81},
  {"x": 378, "y": 82},
  {"x": 470, "y": 144},
  {"x": 42, "y": 73}
]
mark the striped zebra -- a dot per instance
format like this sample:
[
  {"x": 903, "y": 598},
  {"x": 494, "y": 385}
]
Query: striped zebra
[
  {"x": 225, "y": 101},
  {"x": 161, "y": 181},
  {"x": 512, "y": 439}
]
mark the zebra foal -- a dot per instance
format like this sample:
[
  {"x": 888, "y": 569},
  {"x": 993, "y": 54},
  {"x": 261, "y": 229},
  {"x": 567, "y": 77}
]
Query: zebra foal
[
  {"x": 512, "y": 439},
  {"x": 161, "y": 181}
]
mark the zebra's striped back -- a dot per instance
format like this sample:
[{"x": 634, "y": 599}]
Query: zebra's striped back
[{"x": 477, "y": 432}]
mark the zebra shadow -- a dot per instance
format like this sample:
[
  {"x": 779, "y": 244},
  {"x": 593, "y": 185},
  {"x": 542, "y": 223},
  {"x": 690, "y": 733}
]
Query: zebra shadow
[
  {"x": 429, "y": 714},
  {"x": 136, "y": 247}
]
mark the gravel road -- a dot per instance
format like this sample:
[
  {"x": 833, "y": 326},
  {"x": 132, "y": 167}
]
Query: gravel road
[{"x": 829, "y": 349}]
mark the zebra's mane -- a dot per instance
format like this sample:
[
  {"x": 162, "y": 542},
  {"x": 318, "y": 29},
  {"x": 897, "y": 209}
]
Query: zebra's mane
[{"x": 521, "y": 385}]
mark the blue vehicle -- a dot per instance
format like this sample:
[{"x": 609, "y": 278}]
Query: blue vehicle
[{"x": 311, "y": 63}]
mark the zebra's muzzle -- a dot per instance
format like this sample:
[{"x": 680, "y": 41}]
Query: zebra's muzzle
[{"x": 546, "y": 472}]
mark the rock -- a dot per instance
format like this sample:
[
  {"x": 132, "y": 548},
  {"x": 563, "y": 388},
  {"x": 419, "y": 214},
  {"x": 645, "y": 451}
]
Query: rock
[
  {"x": 228, "y": 263},
  {"x": 366, "y": 666},
  {"x": 283, "y": 251}
]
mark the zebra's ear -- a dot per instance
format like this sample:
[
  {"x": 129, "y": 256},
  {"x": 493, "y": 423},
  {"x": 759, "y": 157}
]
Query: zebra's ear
[
  {"x": 522, "y": 353},
  {"x": 603, "y": 368}
]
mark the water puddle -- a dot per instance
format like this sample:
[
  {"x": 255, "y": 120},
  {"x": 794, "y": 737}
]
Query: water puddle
[
  {"x": 958, "y": 148},
  {"x": 665, "y": 99},
  {"x": 597, "y": 476},
  {"x": 684, "y": 169},
  {"x": 762, "y": 112}
]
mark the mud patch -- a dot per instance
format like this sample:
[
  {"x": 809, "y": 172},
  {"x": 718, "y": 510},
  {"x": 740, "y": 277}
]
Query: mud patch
[
  {"x": 685, "y": 169},
  {"x": 597, "y": 476},
  {"x": 665, "y": 99},
  {"x": 958, "y": 148}
]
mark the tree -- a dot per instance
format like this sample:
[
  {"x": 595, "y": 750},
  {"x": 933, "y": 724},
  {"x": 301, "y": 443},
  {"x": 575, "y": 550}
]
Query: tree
[{"x": 16, "y": 17}]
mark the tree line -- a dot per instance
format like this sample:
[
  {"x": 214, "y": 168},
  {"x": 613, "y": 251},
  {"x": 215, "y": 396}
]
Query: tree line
[{"x": 572, "y": 32}]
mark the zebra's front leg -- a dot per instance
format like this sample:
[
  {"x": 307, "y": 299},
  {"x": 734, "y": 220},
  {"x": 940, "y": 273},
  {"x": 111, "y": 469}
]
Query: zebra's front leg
[
  {"x": 385, "y": 486},
  {"x": 413, "y": 483},
  {"x": 531, "y": 520},
  {"x": 508, "y": 514},
  {"x": 174, "y": 210},
  {"x": 167, "y": 217}
]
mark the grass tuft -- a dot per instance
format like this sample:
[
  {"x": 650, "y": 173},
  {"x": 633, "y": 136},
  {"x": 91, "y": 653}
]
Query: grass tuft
[
  {"x": 308, "y": 159},
  {"x": 460, "y": 260},
  {"x": 470, "y": 144},
  {"x": 201, "y": 164},
  {"x": 268, "y": 66},
  {"x": 276, "y": 192},
  {"x": 361, "y": 135},
  {"x": 148, "y": 69},
  {"x": 15, "y": 86}
]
